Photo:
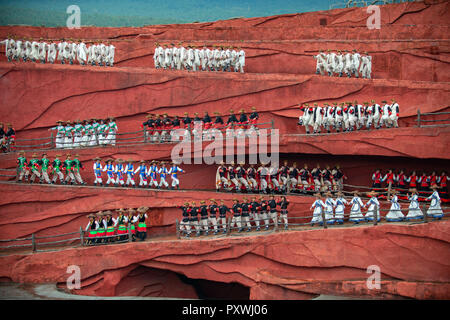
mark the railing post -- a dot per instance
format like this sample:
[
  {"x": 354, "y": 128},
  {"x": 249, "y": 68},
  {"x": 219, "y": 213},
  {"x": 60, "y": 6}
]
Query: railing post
[
  {"x": 82, "y": 236},
  {"x": 177, "y": 225},
  {"x": 130, "y": 235},
  {"x": 418, "y": 118},
  {"x": 53, "y": 142},
  {"x": 375, "y": 215},
  {"x": 228, "y": 226},
  {"x": 324, "y": 221},
  {"x": 276, "y": 221},
  {"x": 145, "y": 135},
  {"x": 425, "y": 216},
  {"x": 33, "y": 242}
]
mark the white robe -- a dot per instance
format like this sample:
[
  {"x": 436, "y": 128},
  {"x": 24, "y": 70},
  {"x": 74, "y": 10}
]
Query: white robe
[
  {"x": 414, "y": 211},
  {"x": 373, "y": 203},
  {"x": 395, "y": 213},
  {"x": 82, "y": 52},
  {"x": 329, "y": 206},
  {"x": 340, "y": 207},
  {"x": 35, "y": 50},
  {"x": 318, "y": 206},
  {"x": 435, "y": 210},
  {"x": 51, "y": 56},
  {"x": 355, "y": 211}
]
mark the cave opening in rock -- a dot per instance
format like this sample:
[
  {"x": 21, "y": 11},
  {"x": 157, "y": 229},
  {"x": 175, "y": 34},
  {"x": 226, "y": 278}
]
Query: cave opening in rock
[
  {"x": 207, "y": 289},
  {"x": 146, "y": 281}
]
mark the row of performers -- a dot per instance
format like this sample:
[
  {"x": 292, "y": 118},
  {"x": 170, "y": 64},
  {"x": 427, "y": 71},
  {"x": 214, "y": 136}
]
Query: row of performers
[
  {"x": 116, "y": 174},
  {"x": 104, "y": 228},
  {"x": 157, "y": 126},
  {"x": 333, "y": 209},
  {"x": 85, "y": 133},
  {"x": 404, "y": 181},
  {"x": 278, "y": 179},
  {"x": 258, "y": 209},
  {"x": 349, "y": 116}
]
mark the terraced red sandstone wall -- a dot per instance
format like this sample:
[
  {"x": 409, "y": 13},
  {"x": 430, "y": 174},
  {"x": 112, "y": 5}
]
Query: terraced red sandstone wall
[
  {"x": 411, "y": 34},
  {"x": 33, "y": 97},
  {"x": 291, "y": 265}
]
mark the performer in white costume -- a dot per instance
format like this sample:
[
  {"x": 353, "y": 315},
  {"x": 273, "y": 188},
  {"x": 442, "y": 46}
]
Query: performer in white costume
[
  {"x": 318, "y": 207},
  {"x": 355, "y": 212},
  {"x": 414, "y": 211},
  {"x": 373, "y": 205},
  {"x": 395, "y": 213},
  {"x": 340, "y": 203},
  {"x": 435, "y": 210}
]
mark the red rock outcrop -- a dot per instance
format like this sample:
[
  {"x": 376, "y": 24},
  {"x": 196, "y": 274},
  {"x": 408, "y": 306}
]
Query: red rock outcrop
[
  {"x": 128, "y": 93},
  {"x": 53, "y": 210},
  {"x": 290, "y": 265},
  {"x": 413, "y": 261},
  {"x": 286, "y": 43}
]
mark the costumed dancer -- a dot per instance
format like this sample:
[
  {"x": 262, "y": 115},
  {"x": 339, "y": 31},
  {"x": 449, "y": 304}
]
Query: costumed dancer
[
  {"x": 414, "y": 211},
  {"x": 329, "y": 208},
  {"x": 44, "y": 163},
  {"x": 264, "y": 211},
  {"x": 110, "y": 169},
  {"x": 34, "y": 168},
  {"x": 355, "y": 212},
  {"x": 101, "y": 231},
  {"x": 395, "y": 213},
  {"x": 435, "y": 210},
  {"x": 142, "y": 226},
  {"x": 110, "y": 232},
  {"x": 92, "y": 227},
  {"x": 318, "y": 206},
  {"x": 120, "y": 173},
  {"x": 203, "y": 209},
  {"x": 173, "y": 171},
  {"x": 373, "y": 205},
  {"x": 222, "y": 177},
  {"x": 272, "y": 209},
  {"x": 142, "y": 169},
  {"x": 129, "y": 171},
  {"x": 185, "y": 226},
  {"x": 283, "y": 203},
  {"x": 22, "y": 167},
  {"x": 245, "y": 214},
  {"x": 152, "y": 173},
  {"x": 68, "y": 165},
  {"x": 97, "y": 167},
  {"x": 340, "y": 203},
  {"x": 255, "y": 208},
  {"x": 236, "y": 219},
  {"x": 223, "y": 210},
  {"x": 163, "y": 171},
  {"x": 131, "y": 220},
  {"x": 120, "y": 224},
  {"x": 77, "y": 166},
  {"x": 68, "y": 139},
  {"x": 57, "y": 167},
  {"x": 60, "y": 133},
  {"x": 193, "y": 213}
]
